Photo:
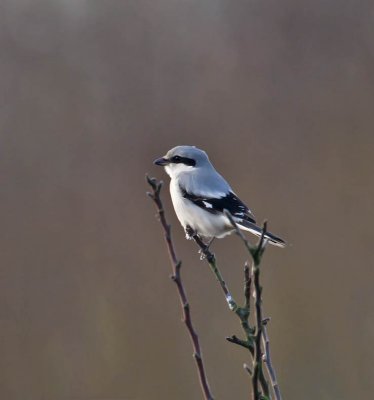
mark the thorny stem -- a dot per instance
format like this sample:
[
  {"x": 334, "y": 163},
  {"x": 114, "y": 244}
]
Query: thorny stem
[{"x": 176, "y": 277}]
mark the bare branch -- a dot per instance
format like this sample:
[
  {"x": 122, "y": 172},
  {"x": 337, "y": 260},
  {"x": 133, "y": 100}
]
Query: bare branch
[
  {"x": 176, "y": 277},
  {"x": 257, "y": 361},
  {"x": 261, "y": 331},
  {"x": 247, "y": 286},
  {"x": 241, "y": 312},
  {"x": 267, "y": 359},
  {"x": 210, "y": 257},
  {"x": 244, "y": 343}
]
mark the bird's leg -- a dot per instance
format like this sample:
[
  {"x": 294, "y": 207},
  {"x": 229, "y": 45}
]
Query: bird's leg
[
  {"x": 210, "y": 242},
  {"x": 191, "y": 234},
  {"x": 204, "y": 247},
  {"x": 203, "y": 251}
]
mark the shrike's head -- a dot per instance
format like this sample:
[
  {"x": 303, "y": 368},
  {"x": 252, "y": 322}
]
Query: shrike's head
[{"x": 183, "y": 159}]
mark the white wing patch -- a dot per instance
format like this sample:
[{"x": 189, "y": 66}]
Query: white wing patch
[{"x": 207, "y": 205}]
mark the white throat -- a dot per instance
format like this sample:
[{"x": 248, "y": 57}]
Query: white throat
[{"x": 174, "y": 170}]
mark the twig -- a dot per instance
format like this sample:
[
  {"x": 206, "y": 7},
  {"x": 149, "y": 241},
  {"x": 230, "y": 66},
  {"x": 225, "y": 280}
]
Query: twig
[
  {"x": 267, "y": 359},
  {"x": 247, "y": 368},
  {"x": 210, "y": 257},
  {"x": 244, "y": 343},
  {"x": 176, "y": 277},
  {"x": 247, "y": 286},
  {"x": 257, "y": 360}
]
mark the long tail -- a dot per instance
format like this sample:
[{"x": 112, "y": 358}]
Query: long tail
[{"x": 256, "y": 230}]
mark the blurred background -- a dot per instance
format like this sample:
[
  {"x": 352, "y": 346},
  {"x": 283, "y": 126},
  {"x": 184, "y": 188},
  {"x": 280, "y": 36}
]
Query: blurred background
[{"x": 280, "y": 95}]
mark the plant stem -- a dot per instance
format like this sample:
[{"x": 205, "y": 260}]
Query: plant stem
[
  {"x": 176, "y": 277},
  {"x": 268, "y": 362},
  {"x": 261, "y": 330},
  {"x": 241, "y": 312}
]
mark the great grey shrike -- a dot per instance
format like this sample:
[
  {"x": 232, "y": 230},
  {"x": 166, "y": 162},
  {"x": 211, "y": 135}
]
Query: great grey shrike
[{"x": 200, "y": 195}]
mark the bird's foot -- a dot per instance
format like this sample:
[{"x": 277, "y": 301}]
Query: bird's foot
[
  {"x": 188, "y": 236},
  {"x": 204, "y": 247},
  {"x": 190, "y": 233},
  {"x": 205, "y": 252}
]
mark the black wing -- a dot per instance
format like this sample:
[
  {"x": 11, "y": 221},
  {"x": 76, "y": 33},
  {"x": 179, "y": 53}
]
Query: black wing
[{"x": 230, "y": 202}]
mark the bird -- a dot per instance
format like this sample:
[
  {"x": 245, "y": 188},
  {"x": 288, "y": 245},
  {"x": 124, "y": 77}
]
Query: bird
[{"x": 201, "y": 197}]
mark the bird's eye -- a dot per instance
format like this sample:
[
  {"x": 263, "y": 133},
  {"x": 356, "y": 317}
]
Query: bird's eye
[{"x": 176, "y": 159}]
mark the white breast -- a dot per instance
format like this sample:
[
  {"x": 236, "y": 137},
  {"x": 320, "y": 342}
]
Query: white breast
[{"x": 203, "y": 222}]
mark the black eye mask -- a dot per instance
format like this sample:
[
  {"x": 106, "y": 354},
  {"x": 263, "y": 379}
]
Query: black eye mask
[{"x": 183, "y": 160}]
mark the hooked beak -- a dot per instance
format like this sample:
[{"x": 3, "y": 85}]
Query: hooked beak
[{"x": 161, "y": 161}]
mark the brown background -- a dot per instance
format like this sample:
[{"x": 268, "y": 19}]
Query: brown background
[{"x": 281, "y": 95}]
